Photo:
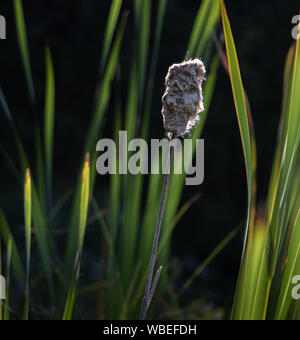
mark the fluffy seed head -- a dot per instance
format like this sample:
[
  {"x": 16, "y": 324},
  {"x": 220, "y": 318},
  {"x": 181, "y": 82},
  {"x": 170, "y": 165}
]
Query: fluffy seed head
[{"x": 183, "y": 99}]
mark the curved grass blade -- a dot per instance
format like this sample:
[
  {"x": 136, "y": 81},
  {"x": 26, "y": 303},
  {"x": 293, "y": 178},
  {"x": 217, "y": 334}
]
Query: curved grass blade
[
  {"x": 242, "y": 304},
  {"x": 240, "y": 105},
  {"x": 23, "y": 45}
]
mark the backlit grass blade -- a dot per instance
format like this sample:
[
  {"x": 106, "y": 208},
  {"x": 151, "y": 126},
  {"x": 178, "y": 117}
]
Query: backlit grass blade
[
  {"x": 144, "y": 23},
  {"x": 84, "y": 200},
  {"x": 240, "y": 105},
  {"x": 8, "y": 266},
  {"x": 161, "y": 12},
  {"x": 71, "y": 297},
  {"x": 103, "y": 95},
  {"x": 83, "y": 210},
  {"x": 133, "y": 185},
  {"x": 243, "y": 297},
  {"x": 27, "y": 218},
  {"x": 23, "y": 45},
  {"x": 110, "y": 29},
  {"x": 207, "y": 17},
  {"x": 198, "y": 26},
  {"x": 49, "y": 118},
  {"x": 278, "y": 217},
  {"x": 211, "y": 21},
  {"x": 7, "y": 236},
  {"x": 292, "y": 268}
]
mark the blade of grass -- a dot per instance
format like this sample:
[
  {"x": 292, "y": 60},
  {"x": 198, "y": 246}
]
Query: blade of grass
[
  {"x": 211, "y": 21},
  {"x": 291, "y": 268},
  {"x": 288, "y": 160},
  {"x": 16, "y": 259},
  {"x": 110, "y": 29},
  {"x": 49, "y": 119},
  {"x": 198, "y": 26},
  {"x": 23, "y": 45},
  {"x": 84, "y": 204},
  {"x": 242, "y": 305},
  {"x": 105, "y": 90},
  {"x": 240, "y": 105},
  {"x": 27, "y": 218}
]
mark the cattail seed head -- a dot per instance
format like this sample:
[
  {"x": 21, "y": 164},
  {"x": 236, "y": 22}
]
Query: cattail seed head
[{"x": 183, "y": 99}]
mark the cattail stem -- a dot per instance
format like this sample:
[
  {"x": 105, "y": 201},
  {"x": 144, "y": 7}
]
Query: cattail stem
[{"x": 146, "y": 302}]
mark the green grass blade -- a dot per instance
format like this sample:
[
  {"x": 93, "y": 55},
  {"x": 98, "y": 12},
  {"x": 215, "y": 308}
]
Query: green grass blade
[
  {"x": 23, "y": 45},
  {"x": 110, "y": 29},
  {"x": 240, "y": 105},
  {"x": 84, "y": 200},
  {"x": 105, "y": 91},
  {"x": 71, "y": 297},
  {"x": 49, "y": 118},
  {"x": 211, "y": 21},
  {"x": 144, "y": 22},
  {"x": 278, "y": 216},
  {"x": 83, "y": 210},
  {"x": 243, "y": 301},
  {"x": 161, "y": 12},
  {"x": 16, "y": 259},
  {"x": 198, "y": 26},
  {"x": 27, "y": 218},
  {"x": 291, "y": 269}
]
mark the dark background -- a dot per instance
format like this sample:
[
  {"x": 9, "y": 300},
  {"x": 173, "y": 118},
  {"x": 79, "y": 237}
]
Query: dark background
[{"x": 74, "y": 30}]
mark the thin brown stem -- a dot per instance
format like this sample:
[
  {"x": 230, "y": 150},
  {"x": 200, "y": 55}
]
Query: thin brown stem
[{"x": 146, "y": 303}]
